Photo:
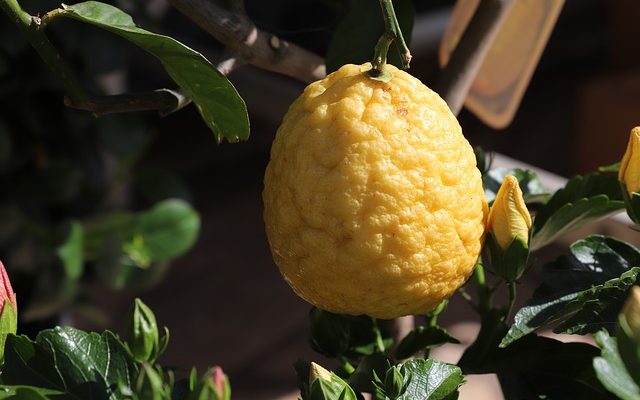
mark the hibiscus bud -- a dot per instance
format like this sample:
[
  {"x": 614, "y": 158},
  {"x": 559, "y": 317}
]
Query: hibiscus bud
[
  {"x": 394, "y": 384},
  {"x": 8, "y": 310},
  {"x": 629, "y": 173},
  {"x": 142, "y": 334},
  {"x": 325, "y": 384},
  {"x": 631, "y": 311},
  {"x": 509, "y": 217},
  {"x": 629, "y": 176},
  {"x": 629, "y": 333},
  {"x": 317, "y": 371},
  {"x": 220, "y": 384},
  {"x": 509, "y": 223}
]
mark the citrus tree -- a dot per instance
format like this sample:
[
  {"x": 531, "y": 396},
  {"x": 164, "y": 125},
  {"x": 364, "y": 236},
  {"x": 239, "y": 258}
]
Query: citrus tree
[{"x": 376, "y": 208}]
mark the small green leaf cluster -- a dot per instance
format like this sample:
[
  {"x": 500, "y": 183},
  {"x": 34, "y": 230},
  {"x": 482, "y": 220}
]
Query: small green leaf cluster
[
  {"x": 68, "y": 363},
  {"x": 370, "y": 362}
]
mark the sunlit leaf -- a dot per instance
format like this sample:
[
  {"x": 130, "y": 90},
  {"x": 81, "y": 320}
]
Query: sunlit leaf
[{"x": 218, "y": 102}]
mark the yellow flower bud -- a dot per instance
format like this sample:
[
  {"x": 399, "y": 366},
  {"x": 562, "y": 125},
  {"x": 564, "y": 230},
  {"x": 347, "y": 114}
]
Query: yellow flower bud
[
  {"x": 631, "y": 311},
  {"x": 629, "y": 173},
  {"x": 509, "y": 216},
  {"x": 318, "y": 372}
]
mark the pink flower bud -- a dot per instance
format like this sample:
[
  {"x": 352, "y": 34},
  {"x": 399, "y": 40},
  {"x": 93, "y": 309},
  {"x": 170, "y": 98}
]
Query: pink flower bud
[
  {"x": 220, "y": 383},
  {"x": 6, "y": 291}
]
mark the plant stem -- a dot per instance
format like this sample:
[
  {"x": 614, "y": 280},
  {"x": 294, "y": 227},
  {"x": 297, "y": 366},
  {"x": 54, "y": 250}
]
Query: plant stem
[
  {"x": 391, "y": 32},
  {"x": 512, "y": 299},
  {"x": 432, "y": 317},
  {"x": 30, "y": 27},
  {"x": 484, "y": 296},
  {"x": 467, "y": 298},
  {"x": 378, "y": 334},
  {"x": 346, "y": 365}
]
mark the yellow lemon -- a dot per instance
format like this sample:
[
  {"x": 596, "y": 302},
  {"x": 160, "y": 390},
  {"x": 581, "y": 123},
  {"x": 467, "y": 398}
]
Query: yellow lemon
[{"x": 373, "y": 202}]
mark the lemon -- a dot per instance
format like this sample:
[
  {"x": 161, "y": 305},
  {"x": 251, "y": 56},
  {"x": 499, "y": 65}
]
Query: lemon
[{"x": 372, "y": 200}]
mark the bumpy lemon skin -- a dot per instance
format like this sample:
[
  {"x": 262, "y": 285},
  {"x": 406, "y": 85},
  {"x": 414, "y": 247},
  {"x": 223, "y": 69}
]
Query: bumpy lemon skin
[{"x": 373, "y": 202}]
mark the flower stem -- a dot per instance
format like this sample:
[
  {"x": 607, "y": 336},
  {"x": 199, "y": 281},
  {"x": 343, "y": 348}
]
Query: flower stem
[
  {"x": 484, "y": 293},
  {"x": 512, "y": 298},
  {"x": 391, "y": 32},
  {"x": 346, "y": 365}
]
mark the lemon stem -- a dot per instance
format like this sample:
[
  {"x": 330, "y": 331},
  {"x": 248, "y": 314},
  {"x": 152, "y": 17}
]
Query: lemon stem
[{"x": 391, "y": 32}]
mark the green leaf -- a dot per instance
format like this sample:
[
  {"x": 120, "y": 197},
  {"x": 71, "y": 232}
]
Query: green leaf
[
  {"x": 585, "y": 289},
  {"x": 80, "y": 364},
  {"x": 19, "y": 392},
  {"x": 360, "y": 28},
  {"x": 583, "y": 200},
  {"x": 431, "y": 380},
  {"x": 422, "y": 338},
  {"x": 218, "y": 102},
  {"x": 169, "y": 229},
  {"x": 534, "y": 366},
  {"x": 335, "y": 335},
  {"x": 329, "y": 332},
  {"x": 8, "y": 324},
  {"x": 71, "y": 251},
  {"x": 611, "y": 371},
  {"x": 362, "y": 378},
  {"x": 530, "y": 184}
]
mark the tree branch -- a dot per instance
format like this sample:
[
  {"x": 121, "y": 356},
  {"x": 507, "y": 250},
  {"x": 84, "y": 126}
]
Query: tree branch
[
  {"x": 164, "y": 101},
  {"x": 254, "y": 46},
  {"x": 455, "y": 80},
  {"x": 30, "y": 27}
]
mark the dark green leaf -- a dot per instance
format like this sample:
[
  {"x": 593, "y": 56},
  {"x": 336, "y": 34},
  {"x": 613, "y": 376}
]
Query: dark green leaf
[
  {"x": 583, "y": 200},
  {"x": 362, "y": 378},
  {"x": 431, "y": 380},
  {"x": 537, "y": 365},
  {"x": 585, "y": 288},
  {"x": 533, "y": 366},
  {"x": 329, "y": 332},
  {"x": 80, "y": 364},
  {"x": 358, "y": 32},
  {"x": 334, "y": 335},
  {"x": 530, "y": 184},
  {"x": 611, "y": 370},
  {"x": 422, "y": 338},
  {"x": 480, "y": 352},
  {"x": 517, "y": 385},
  {"x": 169, "y": 229},
  {"x": 220, "y": 105},
  {"x": 71, "y": 251},
  {"x": 17, "y": 392}
]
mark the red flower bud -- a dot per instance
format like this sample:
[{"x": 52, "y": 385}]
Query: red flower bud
[{"x": 6, "y": 291}]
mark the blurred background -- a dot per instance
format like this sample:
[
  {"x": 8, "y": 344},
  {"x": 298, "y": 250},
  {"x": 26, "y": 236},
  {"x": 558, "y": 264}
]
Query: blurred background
[{"x": 224, "y": 300}]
